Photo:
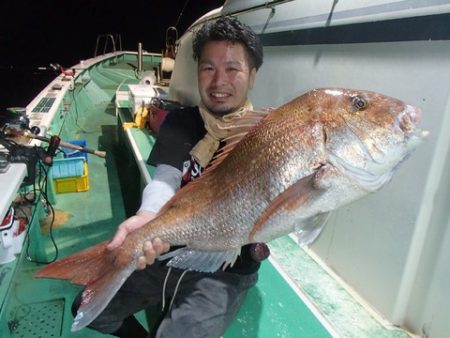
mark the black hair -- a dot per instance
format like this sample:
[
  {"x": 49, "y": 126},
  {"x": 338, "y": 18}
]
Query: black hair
[{"x": 228, "y": 28}]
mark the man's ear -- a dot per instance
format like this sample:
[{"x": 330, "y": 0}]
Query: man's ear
[{"x": 252, "y": 78}]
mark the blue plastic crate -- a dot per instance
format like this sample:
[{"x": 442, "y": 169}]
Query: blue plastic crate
[
  {"x": 68, "y": 153},
  {"x": 67, "y": 167}
]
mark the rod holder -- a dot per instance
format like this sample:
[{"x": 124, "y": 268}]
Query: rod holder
[{"x": 140, "y": 58}]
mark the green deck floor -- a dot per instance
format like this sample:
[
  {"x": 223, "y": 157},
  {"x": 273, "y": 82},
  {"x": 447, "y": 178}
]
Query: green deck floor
[{"x": 41, "y": 308}]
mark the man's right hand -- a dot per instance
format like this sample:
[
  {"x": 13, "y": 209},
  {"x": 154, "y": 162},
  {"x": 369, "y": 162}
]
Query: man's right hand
[{"x": 151, "y": 249}]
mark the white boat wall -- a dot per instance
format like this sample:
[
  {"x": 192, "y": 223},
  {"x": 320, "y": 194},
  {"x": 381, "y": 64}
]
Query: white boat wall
[{"x": 393, "y": 247}]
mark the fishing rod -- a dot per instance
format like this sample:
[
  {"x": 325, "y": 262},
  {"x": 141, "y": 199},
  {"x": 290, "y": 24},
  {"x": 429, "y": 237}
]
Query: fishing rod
[
  {"x": 67, "y": 145},
  {"x": 14, "y": 123}
]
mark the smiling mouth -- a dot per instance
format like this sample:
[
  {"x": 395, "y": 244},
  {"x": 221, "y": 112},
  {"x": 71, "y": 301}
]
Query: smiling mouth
[{"x": 219, "y": 95}]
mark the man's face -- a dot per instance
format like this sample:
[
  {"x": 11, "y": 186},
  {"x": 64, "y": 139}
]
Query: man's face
[{"x": 224, "y": 76}]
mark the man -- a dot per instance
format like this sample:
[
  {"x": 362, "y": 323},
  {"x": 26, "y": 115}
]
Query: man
[{"x": 201, "y": 304}]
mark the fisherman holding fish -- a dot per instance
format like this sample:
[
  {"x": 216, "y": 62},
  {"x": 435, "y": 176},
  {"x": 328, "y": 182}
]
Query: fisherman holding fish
[
  {"x": 202, "y": 304},
  {"x": 276, "y": 174}
]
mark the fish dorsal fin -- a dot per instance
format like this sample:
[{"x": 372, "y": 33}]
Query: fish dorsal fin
[
  {"x": 289, "y": 200},
  {"x": 241, "y": 129}
]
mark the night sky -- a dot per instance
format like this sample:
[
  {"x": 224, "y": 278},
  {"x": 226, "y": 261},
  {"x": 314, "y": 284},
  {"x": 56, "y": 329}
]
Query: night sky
[{"x": 35, "y": 33}]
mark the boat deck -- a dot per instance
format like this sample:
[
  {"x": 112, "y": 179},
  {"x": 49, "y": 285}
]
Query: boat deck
[{"x": 294, "y": 296}]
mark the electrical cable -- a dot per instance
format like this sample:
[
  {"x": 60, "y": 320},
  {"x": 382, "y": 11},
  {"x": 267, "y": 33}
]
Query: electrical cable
[
  {"x": 42, "y": 185},
  {"x": 74, "y": 101},
  {"x": 41, "y": 188}
]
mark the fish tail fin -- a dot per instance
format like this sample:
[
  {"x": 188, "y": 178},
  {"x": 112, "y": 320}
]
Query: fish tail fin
[{"x": 102, "y": 272}]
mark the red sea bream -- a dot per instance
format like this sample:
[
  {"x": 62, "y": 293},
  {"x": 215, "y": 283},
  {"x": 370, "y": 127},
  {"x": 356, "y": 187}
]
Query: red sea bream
[{"x": 312, "y": 155}]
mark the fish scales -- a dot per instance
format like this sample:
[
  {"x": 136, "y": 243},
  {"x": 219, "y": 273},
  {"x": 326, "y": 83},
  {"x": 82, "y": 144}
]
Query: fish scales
[
  {"x": 217, "y": 220},
  {"x": 210, "y": 210},
  {"x": 312, "y": 155}
]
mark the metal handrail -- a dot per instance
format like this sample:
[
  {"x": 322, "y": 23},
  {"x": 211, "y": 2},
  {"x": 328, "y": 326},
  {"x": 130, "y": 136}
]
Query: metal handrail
[{"x": 116, "y": 42}]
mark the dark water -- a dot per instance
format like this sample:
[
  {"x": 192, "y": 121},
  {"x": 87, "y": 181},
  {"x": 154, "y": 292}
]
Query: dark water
[{"x": 34, "y": 34}]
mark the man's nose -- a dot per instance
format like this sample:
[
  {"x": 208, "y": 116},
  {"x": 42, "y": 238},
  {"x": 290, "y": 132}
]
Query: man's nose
[{"x": 220, "y": 77}]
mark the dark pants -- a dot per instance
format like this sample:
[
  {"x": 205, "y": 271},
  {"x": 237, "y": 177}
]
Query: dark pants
[{"x": 204, "y": 305}]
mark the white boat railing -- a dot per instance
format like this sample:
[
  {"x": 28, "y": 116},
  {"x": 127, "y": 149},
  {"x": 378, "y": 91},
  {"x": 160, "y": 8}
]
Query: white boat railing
[{"x": 115, "y": 39}]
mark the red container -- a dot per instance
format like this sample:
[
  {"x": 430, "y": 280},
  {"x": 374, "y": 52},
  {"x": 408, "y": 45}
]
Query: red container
[{"x": 158, "y": 110}]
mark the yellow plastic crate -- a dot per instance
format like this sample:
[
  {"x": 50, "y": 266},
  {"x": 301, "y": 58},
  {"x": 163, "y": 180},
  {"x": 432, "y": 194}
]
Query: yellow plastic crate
[{"x": 73, "y": 184}]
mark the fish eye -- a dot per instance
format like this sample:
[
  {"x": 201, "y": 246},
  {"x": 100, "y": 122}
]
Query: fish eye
[{"x": 359, "y": 103}]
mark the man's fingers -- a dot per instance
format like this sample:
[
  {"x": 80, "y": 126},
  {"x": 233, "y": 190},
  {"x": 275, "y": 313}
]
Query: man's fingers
[
  {"x": 149, "y": 252},
  {"x": 159, "y": 246},
  {"x": 141, "y": 263},
  {"x": 129, "y": 225},
  {"x": 151, "y": 249},
  {"x": 118, "y": 239}
]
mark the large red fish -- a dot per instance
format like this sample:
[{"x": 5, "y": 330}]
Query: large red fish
[{"x": 312, "y": 155}]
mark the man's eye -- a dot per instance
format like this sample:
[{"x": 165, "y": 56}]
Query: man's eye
[{"x": 206, "y": 68}]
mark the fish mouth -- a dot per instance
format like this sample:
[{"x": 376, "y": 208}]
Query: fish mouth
[
  {"x": 409, "y": 122},
  {"x": 414, "y": 113}
]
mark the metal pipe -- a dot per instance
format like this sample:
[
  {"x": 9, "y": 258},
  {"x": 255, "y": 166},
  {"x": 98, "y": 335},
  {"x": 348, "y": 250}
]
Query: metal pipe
[{"x": 140, "y": 58}]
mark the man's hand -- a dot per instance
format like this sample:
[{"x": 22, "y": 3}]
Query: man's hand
[{"x": 151, "y": 249}]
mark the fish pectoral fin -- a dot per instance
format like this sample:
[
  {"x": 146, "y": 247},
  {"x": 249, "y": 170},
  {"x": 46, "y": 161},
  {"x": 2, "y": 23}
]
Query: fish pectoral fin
[
  {"x": 201, "y": 260},
  {"x": 289, "y": 200},
  {"x": 308, "y": 230}
]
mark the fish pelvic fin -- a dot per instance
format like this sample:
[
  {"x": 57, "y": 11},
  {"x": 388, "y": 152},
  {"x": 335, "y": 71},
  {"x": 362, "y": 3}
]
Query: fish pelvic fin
[
  {"x": 100, "y": 270},
  {"x": 308, "y": 230},
  {"x": 203, "y": 261}
]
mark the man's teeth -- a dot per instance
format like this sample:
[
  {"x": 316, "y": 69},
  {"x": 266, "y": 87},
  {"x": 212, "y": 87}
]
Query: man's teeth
[{"x": 218, "y": 95}]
